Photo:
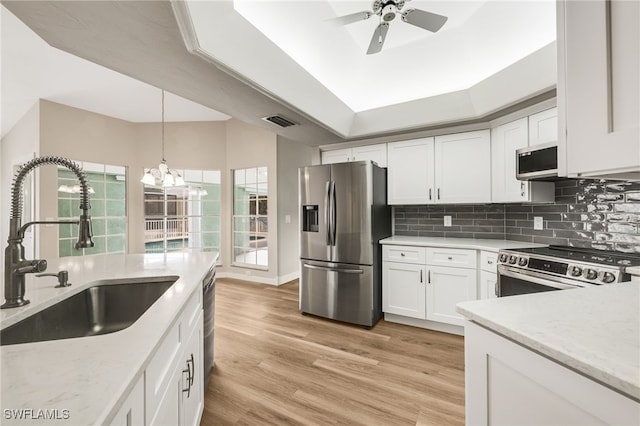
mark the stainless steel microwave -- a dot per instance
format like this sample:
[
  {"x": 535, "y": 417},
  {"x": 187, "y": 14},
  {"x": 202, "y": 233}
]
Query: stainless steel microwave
[{"x": 538, "y": 162}]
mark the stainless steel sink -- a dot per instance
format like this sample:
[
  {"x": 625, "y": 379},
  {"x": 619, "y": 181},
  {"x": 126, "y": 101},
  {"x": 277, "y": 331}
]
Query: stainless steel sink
[{"x": 104, "y": 308}]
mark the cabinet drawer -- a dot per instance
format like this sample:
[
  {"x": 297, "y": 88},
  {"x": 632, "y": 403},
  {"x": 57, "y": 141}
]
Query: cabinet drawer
[
  {"x": 461, "y": 258},
  {"x": 488, "y": 261},
  {"x": 404, "y": 254},
  {"x": 192, "y": 310}
]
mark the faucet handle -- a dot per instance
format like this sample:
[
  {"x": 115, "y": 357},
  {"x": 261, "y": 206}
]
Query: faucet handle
[{"x": 63, "y": 278}]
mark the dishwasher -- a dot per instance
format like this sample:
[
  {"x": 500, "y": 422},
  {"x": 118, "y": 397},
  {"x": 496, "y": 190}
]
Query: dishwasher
[{"x": 208, "y": 306}]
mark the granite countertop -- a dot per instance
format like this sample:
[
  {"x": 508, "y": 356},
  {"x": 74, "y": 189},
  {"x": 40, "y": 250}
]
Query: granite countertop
[
  {"x": 91, "y": 376},
  {"x": 462, "y": 243},
  {"x": 595, "y": 331}
]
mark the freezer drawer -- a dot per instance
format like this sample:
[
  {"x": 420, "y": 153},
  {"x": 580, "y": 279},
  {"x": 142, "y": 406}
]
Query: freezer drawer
[{"x": 339, "y": 291}]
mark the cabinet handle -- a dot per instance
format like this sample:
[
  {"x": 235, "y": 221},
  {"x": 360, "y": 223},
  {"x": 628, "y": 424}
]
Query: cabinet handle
[
  {"x": 429, "y": 193},
  {"x": 191, "y": 370},
  {"x": 438, "y": 193},
  {"x": 522, "y": 189},
  {"x": 429, "y": 276},
  {"x": 450, "y": 257},
  {"x": 420, "y": 275}
]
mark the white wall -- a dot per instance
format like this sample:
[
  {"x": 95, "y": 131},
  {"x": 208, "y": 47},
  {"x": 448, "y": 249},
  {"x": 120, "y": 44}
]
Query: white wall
[
  {"x": 18, "y": 146},
  {"x": 291, "y": 156}
]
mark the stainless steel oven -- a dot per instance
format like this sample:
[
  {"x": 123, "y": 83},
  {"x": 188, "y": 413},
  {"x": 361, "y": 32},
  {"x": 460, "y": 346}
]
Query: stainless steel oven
[{"x": 534, "y": 270}]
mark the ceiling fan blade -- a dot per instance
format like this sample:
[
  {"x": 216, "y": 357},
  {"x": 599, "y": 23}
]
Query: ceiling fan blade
[
  {"x": 350, "y": 19},
  {"x": 379, "y": 35},
  {"x": 423, "y": 19}
]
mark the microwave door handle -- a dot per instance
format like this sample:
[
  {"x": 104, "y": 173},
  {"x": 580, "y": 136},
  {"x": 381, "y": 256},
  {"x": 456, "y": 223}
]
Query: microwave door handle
[{"x": 528, "y": 276}]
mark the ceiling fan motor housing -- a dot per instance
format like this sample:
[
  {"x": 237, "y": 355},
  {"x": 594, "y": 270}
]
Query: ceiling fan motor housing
[{"x": 389, "y": 12}]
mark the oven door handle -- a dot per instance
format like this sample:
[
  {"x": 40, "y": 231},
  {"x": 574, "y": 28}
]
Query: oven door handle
[{"x": 529, "y": 276}]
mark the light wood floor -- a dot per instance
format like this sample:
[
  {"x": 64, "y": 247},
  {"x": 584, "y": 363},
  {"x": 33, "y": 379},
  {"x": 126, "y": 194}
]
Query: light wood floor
[{"x": 276, "y": 366}]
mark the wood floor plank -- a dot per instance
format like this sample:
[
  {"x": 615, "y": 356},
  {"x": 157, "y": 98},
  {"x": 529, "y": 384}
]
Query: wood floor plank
[{"x": 275, "y": 366}]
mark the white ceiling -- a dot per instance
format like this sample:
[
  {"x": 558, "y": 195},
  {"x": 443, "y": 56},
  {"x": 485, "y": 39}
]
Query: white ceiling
[
  {"x": 290, "y": 50},
  {"x": 32, "y": 70},
  {"x": 414, "y": 63}
]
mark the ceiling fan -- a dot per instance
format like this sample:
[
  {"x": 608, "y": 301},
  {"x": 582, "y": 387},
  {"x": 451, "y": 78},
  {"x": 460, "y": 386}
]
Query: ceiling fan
[{"x": 387, "y": 11}]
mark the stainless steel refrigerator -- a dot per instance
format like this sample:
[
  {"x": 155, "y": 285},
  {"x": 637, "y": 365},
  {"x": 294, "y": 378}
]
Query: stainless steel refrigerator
[{"x": 343, "y": 216}]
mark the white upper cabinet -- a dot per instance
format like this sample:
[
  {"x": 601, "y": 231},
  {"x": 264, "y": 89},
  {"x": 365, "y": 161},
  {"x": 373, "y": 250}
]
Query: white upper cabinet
[
  {"x": 543, "y": 127},
  {"x": 376, "y": 153},
  {"x": 463, "y": 167},
  {"x": 446, "y": 169},
  {"x": 505, "y": 140},
  {"x": 599, "y": 88},
  {"x": 336, "y": 156},
  {"x": 410, "y": 172}
]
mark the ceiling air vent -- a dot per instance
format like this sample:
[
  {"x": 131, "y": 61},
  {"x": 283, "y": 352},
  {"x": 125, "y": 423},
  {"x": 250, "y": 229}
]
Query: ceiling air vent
[{"x": 280, "y": 120}]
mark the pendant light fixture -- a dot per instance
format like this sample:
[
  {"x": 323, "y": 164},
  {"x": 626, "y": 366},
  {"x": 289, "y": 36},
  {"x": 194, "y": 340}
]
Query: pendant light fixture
[{"x": 162, "y": 175}]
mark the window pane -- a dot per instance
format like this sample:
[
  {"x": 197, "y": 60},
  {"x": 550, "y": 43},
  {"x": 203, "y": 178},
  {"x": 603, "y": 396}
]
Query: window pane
[
  {"x": 185, "y": 218},
  {"x": 250, "y": 226}
]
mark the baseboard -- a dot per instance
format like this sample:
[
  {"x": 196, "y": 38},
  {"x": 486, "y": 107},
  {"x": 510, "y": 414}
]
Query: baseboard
[
  {"x": 250, "y": 278},
  {"x": 289, "y": 277},
  {"x": 431, "y": 325}
]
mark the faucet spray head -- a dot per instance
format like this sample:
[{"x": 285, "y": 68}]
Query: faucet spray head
[{"x": 85, "y": 232}]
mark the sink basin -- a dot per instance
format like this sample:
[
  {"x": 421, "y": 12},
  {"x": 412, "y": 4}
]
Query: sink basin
[{"x": 101, "y": 309}]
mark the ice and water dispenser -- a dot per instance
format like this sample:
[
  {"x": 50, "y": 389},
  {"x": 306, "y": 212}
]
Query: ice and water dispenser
[{"x": 310, "y": 218}]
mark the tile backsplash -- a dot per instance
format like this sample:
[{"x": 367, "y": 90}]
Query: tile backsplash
[{"x": 586, "y": 213}]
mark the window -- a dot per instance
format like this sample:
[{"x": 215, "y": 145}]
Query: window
[
  {"x": 250, "y": 223},
  {"x": 108, "y": 209},
  {"x": 183, "y": 218}
]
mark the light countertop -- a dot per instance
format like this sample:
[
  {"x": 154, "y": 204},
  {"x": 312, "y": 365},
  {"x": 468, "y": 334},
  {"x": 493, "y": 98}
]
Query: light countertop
[
  {"x": 462, "y": 243},
  {"x": 595, "y": 331},
  {"x": 91, "y": 376}
]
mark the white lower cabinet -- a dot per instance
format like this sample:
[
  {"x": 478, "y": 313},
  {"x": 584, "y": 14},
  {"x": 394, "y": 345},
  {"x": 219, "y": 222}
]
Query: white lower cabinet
[
  {"x": 174, "y": 389},
  {"x": 131, "y": 412},
  {"x": 488, "y": 282},
  {"x": 404, "y": 291},
  {"x": 415, "y": 284},
  {"x": 509, "y": 384},
  {"x": 445, "y": 288}
]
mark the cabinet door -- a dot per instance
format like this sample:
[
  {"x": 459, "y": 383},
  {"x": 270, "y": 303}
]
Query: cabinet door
[
  {"x": 598, "y": 87},
  {"x": 543, "y": 127},
  {"x": 336, "y": 156},
  {"x": 463, "y": 167},
  {"x": 403, "y": 289},
  {"x": 131, "y": 413},
  {"x": 487, "y": 285},
  {"x": 410, "y": 172},
  {"x": 377, "y": 153},
  {"x": 505, "y": 140},
  {"x": 192, "y": 391},
  {"x": 168, "y": 409},
  {"x": 445, "y": 288}
]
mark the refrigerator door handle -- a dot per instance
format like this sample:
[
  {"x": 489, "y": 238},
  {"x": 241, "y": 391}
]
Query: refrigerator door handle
[
  {"x": 324, "y": 268},
  {"x": 327, "y": 211},
  {"x": 333, "y": 213}
]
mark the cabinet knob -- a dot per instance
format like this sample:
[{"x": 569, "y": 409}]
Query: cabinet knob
[
  {"x": 450, "y": 257},
  {"x": 490, "y": 262},
  {"x": 402, "y": 254}
]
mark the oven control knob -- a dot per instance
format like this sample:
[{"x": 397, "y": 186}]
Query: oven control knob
[
  {"x": 576, "y": 271},
  {"x": 523, "y": 261},
  {"x": 591, "y": 274},
  {"x": 503, "y": 258},
  {"x": 608, "y": 277},
  {"x": 512, "y": 260}
]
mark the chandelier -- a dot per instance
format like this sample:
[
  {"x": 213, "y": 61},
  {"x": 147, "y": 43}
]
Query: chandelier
[{"x": 162, "y": 175}]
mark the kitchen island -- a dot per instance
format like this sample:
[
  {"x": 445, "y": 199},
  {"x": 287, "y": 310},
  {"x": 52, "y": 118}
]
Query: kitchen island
[
  {"x": 556, "y": 357},
  {"x": 88, "y": 380}
]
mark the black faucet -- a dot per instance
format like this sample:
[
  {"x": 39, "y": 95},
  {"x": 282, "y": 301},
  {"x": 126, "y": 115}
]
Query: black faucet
[{"x": 15, "y": 265}]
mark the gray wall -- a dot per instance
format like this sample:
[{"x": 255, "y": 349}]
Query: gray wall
[
  {"x": 586, "y": 213},
  {"x": 291, "y": 156}
]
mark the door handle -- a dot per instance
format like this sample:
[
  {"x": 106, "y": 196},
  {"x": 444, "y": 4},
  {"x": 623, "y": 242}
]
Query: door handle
[
  {"x": 333, "y": 213},
  {"x": 327, "y": 209},
  {"x": 342, "y": 270}
]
